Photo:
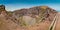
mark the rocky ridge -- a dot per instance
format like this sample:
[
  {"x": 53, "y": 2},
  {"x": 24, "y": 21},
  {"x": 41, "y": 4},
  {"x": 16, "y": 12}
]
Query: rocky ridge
[{"x": 25, "y": 17}]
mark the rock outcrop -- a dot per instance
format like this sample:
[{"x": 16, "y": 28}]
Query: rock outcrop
[
  {"x": 26, "y": 18},
  {"x": 40, "y": 13}
]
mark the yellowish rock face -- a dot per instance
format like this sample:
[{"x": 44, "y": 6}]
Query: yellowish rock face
[{"x": 43, "y": 7}]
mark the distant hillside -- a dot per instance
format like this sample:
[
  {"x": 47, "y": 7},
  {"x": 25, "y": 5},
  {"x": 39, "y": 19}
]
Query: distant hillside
[
  {"x": 25, "y": 17},
  {"x": 42, "y": 13}
]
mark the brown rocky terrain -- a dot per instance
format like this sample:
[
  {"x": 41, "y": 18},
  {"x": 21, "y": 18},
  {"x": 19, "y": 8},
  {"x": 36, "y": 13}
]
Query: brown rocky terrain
[{"x": 35, "y": 18}]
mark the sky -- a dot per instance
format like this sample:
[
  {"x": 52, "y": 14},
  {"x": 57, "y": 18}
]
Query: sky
[{"x": 12, "y": 5}]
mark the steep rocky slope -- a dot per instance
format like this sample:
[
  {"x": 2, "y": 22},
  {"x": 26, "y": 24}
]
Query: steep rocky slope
[
  {"x": 28, "y": 19},
  {"x": 37, "y": 14}
]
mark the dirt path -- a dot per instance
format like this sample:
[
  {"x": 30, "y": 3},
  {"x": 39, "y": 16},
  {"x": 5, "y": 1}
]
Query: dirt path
[
  {"x": 53, "y": 23},
  {"x": 57, "y": 27}
]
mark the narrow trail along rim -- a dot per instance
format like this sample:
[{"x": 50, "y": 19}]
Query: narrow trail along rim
[{"x": 54, "y": 22}]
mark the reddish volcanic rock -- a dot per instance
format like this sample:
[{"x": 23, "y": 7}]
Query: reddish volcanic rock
[{"x": 35, "y": 18}]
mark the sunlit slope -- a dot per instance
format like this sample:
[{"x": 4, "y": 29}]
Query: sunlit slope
[{"x": 34, "y": 18}]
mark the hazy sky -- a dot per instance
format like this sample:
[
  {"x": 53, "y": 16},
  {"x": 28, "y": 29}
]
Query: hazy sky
[{"x": 18, "y": 4}]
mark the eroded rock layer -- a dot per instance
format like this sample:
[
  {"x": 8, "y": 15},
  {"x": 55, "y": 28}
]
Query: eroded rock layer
[{"x": 35, "y": 18}]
